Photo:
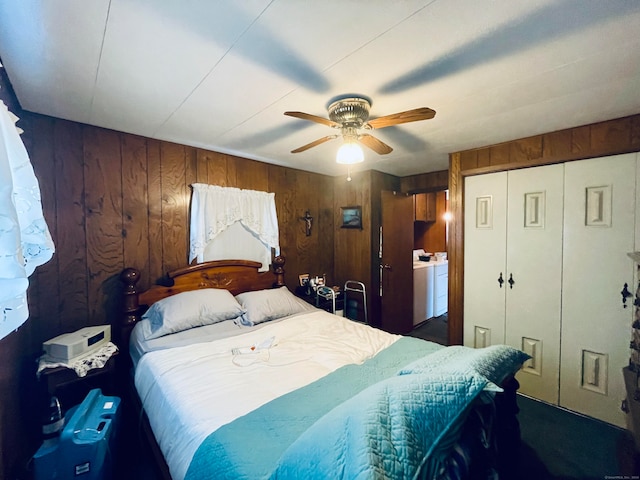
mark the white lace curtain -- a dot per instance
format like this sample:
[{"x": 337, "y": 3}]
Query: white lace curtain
[
  {"x": 214, "y": 209},
  {"x": 25, "y": 242}
]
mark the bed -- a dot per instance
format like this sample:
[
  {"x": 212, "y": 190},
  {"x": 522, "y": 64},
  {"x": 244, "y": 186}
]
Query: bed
[{"x": 238, "y": 378}]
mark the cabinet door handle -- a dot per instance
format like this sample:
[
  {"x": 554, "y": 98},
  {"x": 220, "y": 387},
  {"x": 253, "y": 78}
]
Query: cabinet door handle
[
  {"x": 500, "y": 280},
  {"x": 511, "y": 280},
  {"x": 625, "y": 294}
]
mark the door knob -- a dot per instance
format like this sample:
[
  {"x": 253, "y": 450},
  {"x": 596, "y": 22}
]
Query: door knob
[
  {"x": 500, "y": 280},
  {"x": 387, "y": 266},
  {"x": 511, "y": 280}
]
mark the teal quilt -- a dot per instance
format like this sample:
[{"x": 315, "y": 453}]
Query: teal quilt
[{"x": 381, "y": 419}]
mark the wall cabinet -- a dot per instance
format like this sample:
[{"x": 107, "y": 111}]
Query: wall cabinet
[
  {"x": 545, "y": 262},
  {"x": 424, "y": 207}
]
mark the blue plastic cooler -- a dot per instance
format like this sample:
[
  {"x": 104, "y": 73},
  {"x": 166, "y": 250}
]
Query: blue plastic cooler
[{"x": 86, "y": 445}]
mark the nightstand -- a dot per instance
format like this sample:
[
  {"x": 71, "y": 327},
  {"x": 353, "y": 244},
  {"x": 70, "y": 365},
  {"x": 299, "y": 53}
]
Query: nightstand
[{"x": 71, "y": 389}]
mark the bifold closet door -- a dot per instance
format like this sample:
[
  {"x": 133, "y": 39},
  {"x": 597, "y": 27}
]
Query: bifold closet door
[
  {"x": 600, "y": 206},
  {"x": 534, "y": 275},
  {"x": 485, "y": 237}
]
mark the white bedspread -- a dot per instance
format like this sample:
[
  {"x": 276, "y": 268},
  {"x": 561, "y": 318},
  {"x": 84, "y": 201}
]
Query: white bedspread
[{"x": 190, "y": 391}]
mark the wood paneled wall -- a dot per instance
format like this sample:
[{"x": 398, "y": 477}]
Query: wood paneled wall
[
  {"x": 596, "y": 140},
  {"x": 356, "y": 251},
  {"x": 114, "y": 200},
  {"x": 425, "y": 182}
]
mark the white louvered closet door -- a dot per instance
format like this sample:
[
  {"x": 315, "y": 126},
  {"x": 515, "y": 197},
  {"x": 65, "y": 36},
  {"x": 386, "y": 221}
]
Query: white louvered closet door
[
  {"x": 513, "y": 232},
  {"x": 485, "y": 237},
  {"x": 534, "y": 263},
  {"x": 600, "y": 209}
]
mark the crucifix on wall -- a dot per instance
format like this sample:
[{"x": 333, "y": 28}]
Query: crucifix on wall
[{"x": 308, "y": 220}]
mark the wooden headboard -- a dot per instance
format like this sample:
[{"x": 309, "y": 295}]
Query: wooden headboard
[{"x": 237, "y": 276}]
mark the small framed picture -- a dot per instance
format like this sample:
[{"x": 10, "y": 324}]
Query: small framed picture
[
  {"x": 304, "y": 279},
  {"x": 351, "y": 217}
]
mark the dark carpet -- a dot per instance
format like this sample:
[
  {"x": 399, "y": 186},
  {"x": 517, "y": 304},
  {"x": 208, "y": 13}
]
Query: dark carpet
[
  {"x": 558, "y": 444},
  {"x": 435, "y": 330}
]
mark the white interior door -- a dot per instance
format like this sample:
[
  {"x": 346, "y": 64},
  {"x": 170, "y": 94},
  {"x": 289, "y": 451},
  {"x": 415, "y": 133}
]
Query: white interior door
[
  {"x": 534, "y": 263},
  {"x": 600, "y": 205},
  {"x": 485, "y": 237}
]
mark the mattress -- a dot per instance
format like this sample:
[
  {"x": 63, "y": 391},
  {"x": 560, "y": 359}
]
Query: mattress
[
  {"x": 222, "y": 387},
  {"x": 209, "y": 407}
]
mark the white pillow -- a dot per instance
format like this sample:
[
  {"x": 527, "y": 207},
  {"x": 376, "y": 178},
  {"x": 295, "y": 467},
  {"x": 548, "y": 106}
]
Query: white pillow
[
  {"x": 264, "y": 305},
  {"x": 191, "y": 309}
]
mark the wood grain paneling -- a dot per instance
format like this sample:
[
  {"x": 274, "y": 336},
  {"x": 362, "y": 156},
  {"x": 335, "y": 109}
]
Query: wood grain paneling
[
  {"x": 71, "y": 248},
  {"x": 46, "y": 299},
  {"x": 154, "y": 220},
  {"x": 556, "y": 144},
  {"x": 425, "y": 182},
  {"x": 455, "y": 248},
  {"x": 499, "y": 154},
  {"x": 103, "y": 204},
  {"x": 353, "y": 246},
  {"x": 469, "y": 159},
  {"x": 525, "y": 149},
  {"x": 325, "y": 226},
  {"x": 174, "y": 223},
  {"x": 306, "y": 199},
  {"x": 483, "y": 158},
  {"x": 635, "y": 132},
  {"x": 253, "y": 176},
  {"x": 135, "y": 201}
]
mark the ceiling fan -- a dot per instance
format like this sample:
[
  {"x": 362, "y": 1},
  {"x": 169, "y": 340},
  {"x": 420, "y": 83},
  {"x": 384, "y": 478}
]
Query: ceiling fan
[{"x": 351, "y": 115}]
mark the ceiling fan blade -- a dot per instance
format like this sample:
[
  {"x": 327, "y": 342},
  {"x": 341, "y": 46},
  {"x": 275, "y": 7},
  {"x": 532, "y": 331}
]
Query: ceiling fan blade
[
  {"x": 313, "y": 118},
  {"x": 314, "y": 143},
  {"x": 415, "y": 115},
  {"x": 374, "y": 144}
]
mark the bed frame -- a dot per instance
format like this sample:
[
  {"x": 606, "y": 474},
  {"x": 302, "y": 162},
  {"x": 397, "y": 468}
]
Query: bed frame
[
  {"x": 237, "y": 276},
  {"x": 240, "y": 276}
]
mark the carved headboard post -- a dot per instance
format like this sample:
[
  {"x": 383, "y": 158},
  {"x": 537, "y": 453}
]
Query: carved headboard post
[
  {"x": 130, "y": 276},
  {"x": 278, "y": 270}
]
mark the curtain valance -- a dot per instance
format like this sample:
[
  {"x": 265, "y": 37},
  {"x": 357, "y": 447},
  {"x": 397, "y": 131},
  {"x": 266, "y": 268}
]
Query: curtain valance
[{"x": 215, "y": 208}]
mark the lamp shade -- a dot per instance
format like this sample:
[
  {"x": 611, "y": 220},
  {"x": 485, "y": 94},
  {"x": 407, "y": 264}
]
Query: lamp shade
[{"x": 350, "y": 153}]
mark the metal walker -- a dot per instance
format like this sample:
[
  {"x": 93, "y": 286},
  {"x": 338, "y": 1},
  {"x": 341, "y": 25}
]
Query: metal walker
[{"x": 351, "y": 306}]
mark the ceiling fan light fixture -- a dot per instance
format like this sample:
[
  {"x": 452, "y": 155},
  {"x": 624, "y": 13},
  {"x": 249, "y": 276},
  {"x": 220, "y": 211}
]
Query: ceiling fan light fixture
[
  {"x": 349, "y": 153},
  {"x": 352, "y": 112},
  {"x": 350, "y": 115}
]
